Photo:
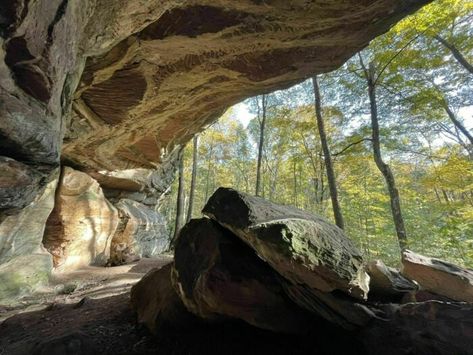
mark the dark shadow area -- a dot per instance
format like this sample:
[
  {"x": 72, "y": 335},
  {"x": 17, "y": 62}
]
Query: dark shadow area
[{"x": 108, "y": 326}]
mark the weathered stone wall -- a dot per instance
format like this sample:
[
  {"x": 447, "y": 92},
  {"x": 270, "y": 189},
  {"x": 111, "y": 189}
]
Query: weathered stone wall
[
  {"x": 85, "y": 228},
  {"x": 142, "y": 233},
  {"x": 24, "y": 263},
  {"x": 80, "y": 229}
]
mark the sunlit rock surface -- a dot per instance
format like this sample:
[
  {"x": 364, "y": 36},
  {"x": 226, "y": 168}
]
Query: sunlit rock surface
[
  {"x": 81, "y": 227},
  {"x": 439, "y": 276},
  {"x": 127, "y": 80},
  {"x": 24, "y": 263},
  {"x": 387, "y": 283}
]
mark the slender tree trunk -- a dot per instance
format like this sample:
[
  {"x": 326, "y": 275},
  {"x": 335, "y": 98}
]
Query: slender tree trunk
[
  {"x": 458, "y": 124},
  {"x": 445, "y": 196},
  {"x": 437, "y": 195},
  {"x": 337, "y": 211},
  {"x": 260, "y": 146},
  {"x": 207, "y": 179},
  {"x": 294, "y": 191},
  {"x": 322, "y": 181},
  {"x": 456, "y": 53},
  {"x": 195, "y": 140},
  {"x": 180, "y": 198},
  {"x": 382, "y": 166}
]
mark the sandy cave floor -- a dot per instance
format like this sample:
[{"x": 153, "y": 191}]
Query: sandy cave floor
[
  {"x": 90, "y": 282},
  {"x": 88, "y": 312},
  {"x": 90, "y": 304}
]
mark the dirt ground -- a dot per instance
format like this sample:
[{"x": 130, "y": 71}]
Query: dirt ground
[
  {"x": 88, "y": 312},
  {"x": 82, "y": 312}
]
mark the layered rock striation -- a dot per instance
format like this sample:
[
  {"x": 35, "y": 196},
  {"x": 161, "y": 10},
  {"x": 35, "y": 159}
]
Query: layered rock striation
[{"x": 124, "y": 81}]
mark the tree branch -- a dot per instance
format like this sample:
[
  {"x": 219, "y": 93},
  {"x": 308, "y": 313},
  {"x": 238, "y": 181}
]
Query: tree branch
[
  {"x": 455, "y": 52},
  {"x": 351, "y": 145}
]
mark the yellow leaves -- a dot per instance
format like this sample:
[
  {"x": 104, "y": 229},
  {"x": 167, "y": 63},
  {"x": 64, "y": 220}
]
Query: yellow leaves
[
  {"x": 435, "y": 16},
  {"x": 456, "y": 174}
]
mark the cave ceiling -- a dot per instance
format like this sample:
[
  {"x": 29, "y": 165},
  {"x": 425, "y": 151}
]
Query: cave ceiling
[{"x": 112, "y": 84}]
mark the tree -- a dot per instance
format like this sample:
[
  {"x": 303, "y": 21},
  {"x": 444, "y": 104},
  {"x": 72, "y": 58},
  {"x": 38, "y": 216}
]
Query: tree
[
  {"x": 371, "y": 80},
  {"x": 262, "y": 124},
  {"x": 195, "y": 141},
  {"x": 442, "y": 32},
  {"x": 337, "y": 212},
  {"x": 456, "y": 53},
  {"x": 179, "y": 222}
]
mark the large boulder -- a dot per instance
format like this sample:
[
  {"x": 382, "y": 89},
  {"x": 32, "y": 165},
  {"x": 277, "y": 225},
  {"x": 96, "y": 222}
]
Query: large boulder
[
  {"x": 24, "y": 263},
  {"x": 438, "y": 276},
  {"x": 141, "y": 232},
  {"x": 81, "y": 227},
  {"x": 304, "y": 248},
  {"x": 322, "y": 270},
  {"x": 157, "y": 304},
  {"x": 217, "y": 276}
]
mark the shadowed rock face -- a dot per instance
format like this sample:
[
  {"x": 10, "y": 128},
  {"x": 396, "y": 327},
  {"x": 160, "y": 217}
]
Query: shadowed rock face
[
  {"x": 143, "y": 76},
  {"x": 218, "y": 277}
]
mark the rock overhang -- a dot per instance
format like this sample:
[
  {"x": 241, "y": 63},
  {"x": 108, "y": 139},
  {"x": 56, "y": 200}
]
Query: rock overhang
[{"x": 177, "y": 72}]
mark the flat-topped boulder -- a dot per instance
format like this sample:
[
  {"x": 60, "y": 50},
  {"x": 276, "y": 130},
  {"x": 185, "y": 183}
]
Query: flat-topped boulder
[
  {"x": 439, "y": 276},
  {"x": 303, "y": 248}
]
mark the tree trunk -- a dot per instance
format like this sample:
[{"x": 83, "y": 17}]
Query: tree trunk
[
  {"x": 193, "y": 178},
  {"x": 180, "y": 198},
  {"x": 337, "y": 211},
  {"x": 209, "y": 161},
  {"x": 294, "y": 190},
  {"x": 382, "y": 166},
  {"x": 456, "y": 53},
  {"x": 458, "y": 124},
  {"x": 260, "y": 146}
]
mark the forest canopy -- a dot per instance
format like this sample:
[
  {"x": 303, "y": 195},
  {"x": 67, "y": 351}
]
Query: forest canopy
[{"x": 399, "y": 112}]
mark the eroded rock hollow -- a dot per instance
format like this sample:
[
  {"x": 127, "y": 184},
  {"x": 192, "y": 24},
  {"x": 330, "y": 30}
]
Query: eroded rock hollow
[{"x": 98, "y": 97}]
